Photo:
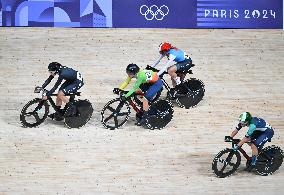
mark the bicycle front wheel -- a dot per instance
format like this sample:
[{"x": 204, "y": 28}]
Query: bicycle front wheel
[
  {"x": 115, "y": 114},
  {"x": 226, "y": 162},
  {"x": 34, "y": 113}
]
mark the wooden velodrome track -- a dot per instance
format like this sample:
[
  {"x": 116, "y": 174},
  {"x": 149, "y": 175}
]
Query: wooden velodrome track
[{"x": 242, "y": 70}]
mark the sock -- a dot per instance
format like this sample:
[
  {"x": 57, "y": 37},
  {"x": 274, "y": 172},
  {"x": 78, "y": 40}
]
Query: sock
[
  {"x": 178, "y": 80},
  {"x": 253, "y": 160}
]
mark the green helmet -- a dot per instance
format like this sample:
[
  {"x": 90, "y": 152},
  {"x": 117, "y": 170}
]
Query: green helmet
[{"x": 245, "y": 118}]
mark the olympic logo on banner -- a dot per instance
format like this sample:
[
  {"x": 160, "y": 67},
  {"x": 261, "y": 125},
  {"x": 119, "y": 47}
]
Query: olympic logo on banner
[{"x": 154, "y": 12}]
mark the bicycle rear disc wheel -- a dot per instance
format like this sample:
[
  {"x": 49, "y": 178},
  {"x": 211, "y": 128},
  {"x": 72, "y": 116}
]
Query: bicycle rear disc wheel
[
  {"x": 187, "y": 99},
  {"x": 115, "y": 114},
  {"x": 160, "y": 114},
  {"x": 34, "y": 113},
  {"x": 84, "y": 111},
  {"x": 269, "y": 160},
  {"x": 226, "y": 162}
]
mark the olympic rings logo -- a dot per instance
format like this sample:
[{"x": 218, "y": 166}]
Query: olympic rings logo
[{"x": 154, "y": 12}]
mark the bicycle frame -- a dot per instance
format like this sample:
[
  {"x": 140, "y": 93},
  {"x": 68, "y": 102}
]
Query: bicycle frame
[
  {"x": 133, "y": 105},
  {"x": 236, "y": 141},
  {"x": 166, "y": 85},
  {"x": 50, "y": 100}
]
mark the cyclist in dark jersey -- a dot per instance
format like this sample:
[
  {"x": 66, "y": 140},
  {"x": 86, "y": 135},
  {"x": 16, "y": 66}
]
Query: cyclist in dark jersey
[
  {"x": 258, "y": 134},
  {"x": 73, "y": 82}
]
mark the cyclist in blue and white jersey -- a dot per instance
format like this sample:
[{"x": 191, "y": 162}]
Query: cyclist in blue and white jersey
[{"x": 177, "y": 60}]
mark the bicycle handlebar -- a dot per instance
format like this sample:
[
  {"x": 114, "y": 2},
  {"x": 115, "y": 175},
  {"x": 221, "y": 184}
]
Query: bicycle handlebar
[
  {"x": 44, "y": 91},
  {"x": 234, "y": 141},
  {"x": 230, "y": 139}
]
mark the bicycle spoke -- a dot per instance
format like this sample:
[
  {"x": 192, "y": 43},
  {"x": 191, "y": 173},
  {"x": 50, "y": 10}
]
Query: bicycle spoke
[
  {"x": 119, "y": 107},
  {"x": 231, "y": 164},
  {"x": 35, "y": 114},
  {"x": 116, "y": 121},
  {"x": 29, "y": 114},
  {"x": 122, "y": 114},
  {"x": 229, "y": 158},
  {"x": 110, "y": 108},
  {"x": 109, "y": 117},
  {"x": 39, "y": 106},
  {"x": 223, "y": 168}
]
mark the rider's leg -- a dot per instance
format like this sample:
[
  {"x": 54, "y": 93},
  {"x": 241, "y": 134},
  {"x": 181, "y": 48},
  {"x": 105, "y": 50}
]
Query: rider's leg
[
  {"x": 259, "y": 143},
  {"x": 149, "y": 95},
  {"x": 58, "y": 100},
  {"x": 61, "y": 97},
  {"x": 182, "y": 76},
  {"x": 72, "y": 88},
  {"x": 181, "y": 66},
  {"x": 254, "y": 154},
  {"x": 145, "y": 104},
  {"x": 172, "y": 72},
  {"x": 61, "y": 94}
]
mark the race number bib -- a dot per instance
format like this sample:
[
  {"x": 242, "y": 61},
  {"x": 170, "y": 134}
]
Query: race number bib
[
  {"x": 79, "y": 76},
  {"x": 268, "y": 126},
  {"x": 148, "y": 76}
]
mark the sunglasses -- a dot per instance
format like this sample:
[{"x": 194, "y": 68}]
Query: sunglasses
[{"x": 243, "y": 123}]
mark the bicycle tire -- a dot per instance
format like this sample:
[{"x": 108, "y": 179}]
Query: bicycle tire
[
  {"x": 265, "y": 166},
  {"x": 190, "y": 99},
  {"x": 39, "y": 120},
  {"x": 84, "y": 113},
  {"x": 218, "y": 159},
  {"x": 160, "y": 114},
  {"x": 115, "y": 113}
]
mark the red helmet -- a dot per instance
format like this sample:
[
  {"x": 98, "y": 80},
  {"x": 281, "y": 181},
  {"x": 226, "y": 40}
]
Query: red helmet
[{"x": 165, "y": 46}]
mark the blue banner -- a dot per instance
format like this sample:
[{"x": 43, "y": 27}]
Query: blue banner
[
  {"x": 154, "y": 13},
  {"x": 239, "y": 13},
  {"x": 259, "y": 14},
  {"x": 65, "y": 13}
]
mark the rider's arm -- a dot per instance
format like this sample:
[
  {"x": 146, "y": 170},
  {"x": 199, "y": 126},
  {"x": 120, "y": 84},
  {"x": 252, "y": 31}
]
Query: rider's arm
[
  {"x": 47, "y": 81},
  {"x": 158, "y": 61},
  {"x": 235, "y": 132},
  {"x": 244, "y": 140},
  {"x": 136, "y": 86},
  {"x": 58, "y": 82},
  {"x": 165, "y": 68},
  {"x": 251, "y": 129},
  {"x": 125, "y": 83}
]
